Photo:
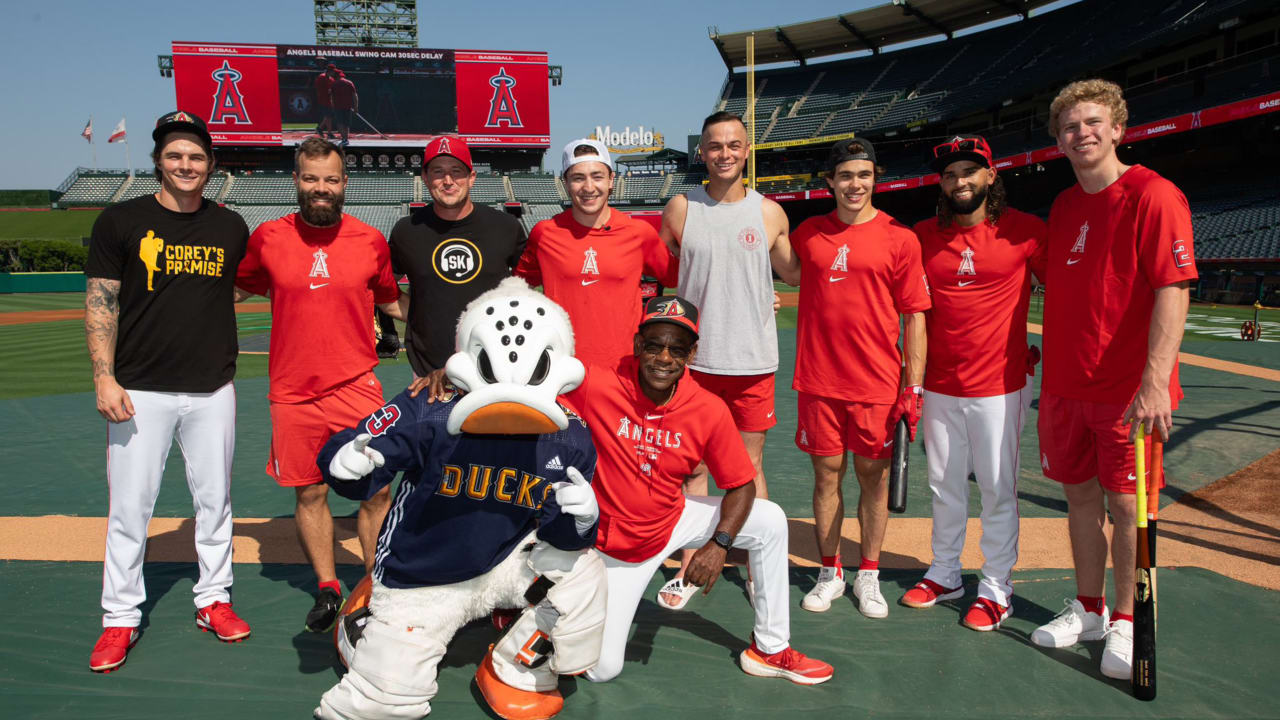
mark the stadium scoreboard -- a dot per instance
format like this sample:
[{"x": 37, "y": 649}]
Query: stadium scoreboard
[{"x": 271, "y": 95}]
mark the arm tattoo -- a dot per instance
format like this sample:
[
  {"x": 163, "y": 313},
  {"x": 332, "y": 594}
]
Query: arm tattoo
[{"x": 101, "y": 322}]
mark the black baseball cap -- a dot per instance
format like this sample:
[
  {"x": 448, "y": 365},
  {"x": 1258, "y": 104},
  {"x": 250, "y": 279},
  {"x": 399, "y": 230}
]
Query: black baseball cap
[
  {"x": 841, "y": 152},
  {"x": 181, "y": 121},
  {"x": 671, "y": 309}
]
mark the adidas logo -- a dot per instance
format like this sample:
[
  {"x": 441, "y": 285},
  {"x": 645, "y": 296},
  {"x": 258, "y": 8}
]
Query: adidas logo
[{"x": 555, "y": 464}]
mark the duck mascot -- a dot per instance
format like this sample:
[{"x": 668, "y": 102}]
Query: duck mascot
[{"x": 495, "y": 510}]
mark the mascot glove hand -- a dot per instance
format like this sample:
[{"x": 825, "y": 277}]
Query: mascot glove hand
[
  {"x": 578, "y": 499},
  {"x": 355, "y": 459}
]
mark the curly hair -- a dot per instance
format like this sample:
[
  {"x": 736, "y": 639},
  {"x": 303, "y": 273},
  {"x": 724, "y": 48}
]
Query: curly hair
[
  {"x": 1096, "y": 90},
  {"x": 996, "y": 204}
]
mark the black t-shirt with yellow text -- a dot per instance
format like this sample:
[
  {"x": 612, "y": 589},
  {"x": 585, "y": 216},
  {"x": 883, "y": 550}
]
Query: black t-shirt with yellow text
[
  {"x": 449, "y": 264},
  {"x": 177, "y": 275}
]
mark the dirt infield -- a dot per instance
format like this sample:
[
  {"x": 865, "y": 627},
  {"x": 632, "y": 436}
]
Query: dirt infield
[
  {"x": 27, "y": 317},
  {"x": 1229, "y": 527}
]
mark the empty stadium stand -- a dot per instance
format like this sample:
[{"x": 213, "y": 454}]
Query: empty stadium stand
[
  {"x": 379, "y": 188},
  {"x": 536, "y": 188},
  {"x": 642, "y": 187},
  {"x": 490, "y": 189},
  {"x": 263, "y": 189},
  {"x": 92, "y": 188}
]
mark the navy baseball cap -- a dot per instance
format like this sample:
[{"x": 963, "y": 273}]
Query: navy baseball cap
[
  {"x": 671, "y": 309},
  {"x": 842, "y": 152},
  {"x": 181, "y": 121}
]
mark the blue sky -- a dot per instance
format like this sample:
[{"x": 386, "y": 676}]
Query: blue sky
[{"x": 625, "y": 63}]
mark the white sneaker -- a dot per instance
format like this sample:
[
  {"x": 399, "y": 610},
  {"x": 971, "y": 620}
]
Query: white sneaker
[
  {"x": 1117, "y": 656},
  {"x": 1074, "y": 624},
  {"x": 829, "y": 587},
  {"x": 866, "y": 587}
]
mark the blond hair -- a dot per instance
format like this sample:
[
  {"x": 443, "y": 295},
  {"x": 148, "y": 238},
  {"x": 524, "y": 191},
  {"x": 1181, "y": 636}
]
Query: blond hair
[{"x": 1096, "y": 90}]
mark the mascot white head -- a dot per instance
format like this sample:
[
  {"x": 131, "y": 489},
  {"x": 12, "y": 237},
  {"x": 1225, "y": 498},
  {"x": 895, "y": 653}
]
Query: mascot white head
[{"x": 514, "y": 357}]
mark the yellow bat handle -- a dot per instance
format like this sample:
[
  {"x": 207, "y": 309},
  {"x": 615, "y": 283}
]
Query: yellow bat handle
[{"x": 1140, "y": 467}]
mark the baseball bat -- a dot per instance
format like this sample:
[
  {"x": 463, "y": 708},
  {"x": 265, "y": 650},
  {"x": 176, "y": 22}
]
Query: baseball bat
[
  {"x": 1143, "y": 677},
  {"x": 898, "y": 468}
]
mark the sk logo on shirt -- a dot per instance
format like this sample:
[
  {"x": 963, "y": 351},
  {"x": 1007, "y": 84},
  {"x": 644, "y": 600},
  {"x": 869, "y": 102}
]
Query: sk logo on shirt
[
  {"x": 841, "y": 263},
  {"x": 319, "y": 264},
  {"x": 1078, "y": 247},
  {"x": 457, "y": 261},
  {"x": 966, "y": 263}
]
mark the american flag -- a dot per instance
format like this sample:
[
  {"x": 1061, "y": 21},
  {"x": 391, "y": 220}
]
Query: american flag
[{"x": 87, "y": 132}]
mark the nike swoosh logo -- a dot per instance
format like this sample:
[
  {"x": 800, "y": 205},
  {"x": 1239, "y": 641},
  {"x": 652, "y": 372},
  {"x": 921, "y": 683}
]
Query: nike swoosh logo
[
  {"x": 652, "y": 417},
  {"x": 888, "y": 442},
  {"x": 836, "y": 279},
  {"x": 1073, "y": 262},
  {"x": 1132, "y": 476},
  {"x": 589, "y": 282},
  {"x": 314, "y": 286},
  {"x": 967, "y": 282},
  {"x": 769, "y": 415}
]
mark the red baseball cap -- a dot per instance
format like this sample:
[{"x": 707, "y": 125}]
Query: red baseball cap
[
  {"x": 450, "y": 145},
  {"x": 671, "y": 309},
  {"x": 961, "y": 147}
]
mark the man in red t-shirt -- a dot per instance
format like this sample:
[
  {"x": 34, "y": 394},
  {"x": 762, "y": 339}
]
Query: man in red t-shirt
[
  {"x": 324, "y": 99},
  {"x": 1120, "y": 263},
  {"x": 650, "y": 431},
  {"x": 860, "y": 273},
  {"x": 324, "y": 271},
  {"x": 978, "y": 254},
  {"x": 346, "y": 101},
  {"x": 589, "y": 258}
]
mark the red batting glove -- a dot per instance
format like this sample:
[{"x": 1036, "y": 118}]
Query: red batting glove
[
  {"x": 910, "y": 404},
  {"x": 1033, "y": 357}
]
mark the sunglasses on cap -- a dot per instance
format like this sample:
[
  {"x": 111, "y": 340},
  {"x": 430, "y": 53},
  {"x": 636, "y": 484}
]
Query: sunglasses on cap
[{"x": 973, "y": 144}]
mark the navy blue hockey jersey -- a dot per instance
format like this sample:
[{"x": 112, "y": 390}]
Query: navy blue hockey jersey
[{"x": 466, "y": 500}]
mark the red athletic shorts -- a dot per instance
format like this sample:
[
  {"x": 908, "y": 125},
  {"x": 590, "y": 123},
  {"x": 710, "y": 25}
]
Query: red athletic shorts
[
  {"x": 299, "y": 430},
  {"x": 749, "y": 397},
  {"x": 829, "y": 426},
  {"x": 1081, "y": 440}
]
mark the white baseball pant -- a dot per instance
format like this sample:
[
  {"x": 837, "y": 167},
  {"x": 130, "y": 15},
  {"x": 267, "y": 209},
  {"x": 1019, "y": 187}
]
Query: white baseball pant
[
  {"x": 979, "y": 435},
  {"x": 205, "y": 426},
  {"x": 763, "y": 535}
]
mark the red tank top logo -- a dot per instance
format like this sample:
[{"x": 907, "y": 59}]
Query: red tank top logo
[{"x": 749, "y": 238}]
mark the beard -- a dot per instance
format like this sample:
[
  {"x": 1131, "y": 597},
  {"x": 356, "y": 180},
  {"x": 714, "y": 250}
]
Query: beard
[
  {"x": 320, "y": 216},
  {"x": 973, "y": 203}
]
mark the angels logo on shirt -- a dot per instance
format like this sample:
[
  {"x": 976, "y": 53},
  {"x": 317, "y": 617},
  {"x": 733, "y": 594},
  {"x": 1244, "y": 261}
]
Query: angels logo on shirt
[
  {"x": 966, "y": 263},
  {"x": 589, "y": 266},
  {"x": 841, "y": 263},
  {"x": 1078, "y": 247},
  {"x": 457, "y": 261},
  {"x": 319, "y": 264},
  {"x": 749, "y": 238},
  {"x": 1181, "y": 254}
]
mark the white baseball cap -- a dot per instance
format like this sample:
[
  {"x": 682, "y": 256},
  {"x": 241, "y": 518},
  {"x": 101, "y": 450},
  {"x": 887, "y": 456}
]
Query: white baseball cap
[{"x": 568, "y": 160}]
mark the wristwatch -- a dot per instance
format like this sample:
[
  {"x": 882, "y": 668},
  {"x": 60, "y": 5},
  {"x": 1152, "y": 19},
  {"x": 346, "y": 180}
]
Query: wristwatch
[{"x": 723, "y": 539}]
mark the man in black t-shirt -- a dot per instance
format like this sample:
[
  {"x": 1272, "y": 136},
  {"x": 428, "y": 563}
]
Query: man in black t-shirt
[
  {"x": 161, "y": 329},
  {"x": 451, "y": 250}
]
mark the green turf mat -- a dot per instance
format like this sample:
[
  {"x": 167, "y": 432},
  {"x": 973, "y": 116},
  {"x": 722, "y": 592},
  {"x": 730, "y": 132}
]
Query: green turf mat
[
  {"x": 20, "y": 302},
  {"x": 914, "y": 664},
  {"x": 53, "y": 224}
]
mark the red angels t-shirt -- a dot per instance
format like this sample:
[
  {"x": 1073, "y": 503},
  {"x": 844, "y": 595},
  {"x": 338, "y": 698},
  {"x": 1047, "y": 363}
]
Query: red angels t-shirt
[
  {"x": 644, "y": 452},
  {"x": 594, "y": 274},
  {"x": 855, "y": 280},
  {"x": 1108, "y": 253},
  {"x": 980, "y": 284},
  {"x": 323, "y": 283}
]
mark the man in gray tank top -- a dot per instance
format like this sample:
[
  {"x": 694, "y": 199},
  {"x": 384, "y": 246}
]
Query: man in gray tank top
[{"x": 727, "y": 238}]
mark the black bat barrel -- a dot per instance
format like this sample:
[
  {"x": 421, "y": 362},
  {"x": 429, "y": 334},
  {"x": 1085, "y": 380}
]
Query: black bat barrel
[{"x": 898, "y": 469}]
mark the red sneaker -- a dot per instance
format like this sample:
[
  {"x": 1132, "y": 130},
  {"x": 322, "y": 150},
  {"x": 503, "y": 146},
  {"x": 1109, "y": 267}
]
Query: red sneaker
[
  {"x": 985, "y": 615},
  {"x": 928, "y": 593},
  {"x": 112, "y": 648},
  {"x": 788, "y": 663},
  {"x": 222, "y": 621}
]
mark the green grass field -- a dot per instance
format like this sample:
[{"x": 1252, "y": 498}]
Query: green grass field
[{"x": 50, "y": 225}]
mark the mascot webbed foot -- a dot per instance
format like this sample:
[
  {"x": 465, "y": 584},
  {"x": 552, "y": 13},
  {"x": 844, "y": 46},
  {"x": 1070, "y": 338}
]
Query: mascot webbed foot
[{"x": 511, "y": 703}]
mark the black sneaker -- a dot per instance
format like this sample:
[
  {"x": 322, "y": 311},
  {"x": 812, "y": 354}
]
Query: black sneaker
[
  {"x": 324, "y": 613},
  {"x": 388, "y": 346}
]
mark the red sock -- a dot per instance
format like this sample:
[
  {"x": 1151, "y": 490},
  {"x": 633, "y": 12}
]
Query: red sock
[
  {"x": 1094, "y": 605},
  {"x": 831, "y": 560},
  {"x": 1121, "y": 616},
  {"x": 869, "y": 564},
  {"x": 333, "y": 585}
]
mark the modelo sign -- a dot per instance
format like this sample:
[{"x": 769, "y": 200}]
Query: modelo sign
[{"x": 628, "y": 140}]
